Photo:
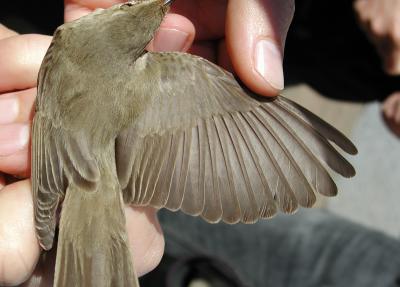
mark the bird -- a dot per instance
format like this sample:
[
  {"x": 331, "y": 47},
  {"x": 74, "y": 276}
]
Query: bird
[{"x": 115, "y": 124}]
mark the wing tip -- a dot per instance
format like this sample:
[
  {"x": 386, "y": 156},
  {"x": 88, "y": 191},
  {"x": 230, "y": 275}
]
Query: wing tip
[
  {"x": 46, "y": 243},
  {"x": 342, "y": 141},
  {"x": 352, "y": 173},
  {"x": 350, "y": 147}
]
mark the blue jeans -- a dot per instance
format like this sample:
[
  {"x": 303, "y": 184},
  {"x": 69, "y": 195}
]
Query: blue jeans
[{"x": 312, "y": 248}]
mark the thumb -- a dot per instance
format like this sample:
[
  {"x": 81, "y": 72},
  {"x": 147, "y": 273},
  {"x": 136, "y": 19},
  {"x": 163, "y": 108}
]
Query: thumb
[{"x": 255, "y": 37}]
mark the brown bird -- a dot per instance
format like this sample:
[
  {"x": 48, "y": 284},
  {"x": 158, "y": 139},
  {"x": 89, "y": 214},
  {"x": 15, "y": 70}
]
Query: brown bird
[{"x": 115, "y": 124}]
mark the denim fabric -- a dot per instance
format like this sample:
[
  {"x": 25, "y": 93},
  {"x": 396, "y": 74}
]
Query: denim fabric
[{"x": 312, "y": 248}]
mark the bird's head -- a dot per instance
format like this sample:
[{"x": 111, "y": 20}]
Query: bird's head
[{"x": 122, "y": 29}]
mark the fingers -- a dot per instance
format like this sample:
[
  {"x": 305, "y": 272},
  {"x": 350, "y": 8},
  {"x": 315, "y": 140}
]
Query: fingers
[
  {"x": 43, "y": 275},
  {"x": 19, "y": 249},
  {"x": 17, "y": 107},
  {"x": 208, "y": 16},
  {"x": 391, "y": 107},
  {"x": 20, "y": 58},
  {"x": 17, "y": 164},
  {"x": 147, "y": 247},
  {"x": 389, "y": 50},
  {"x": 16, "y": 112},
  {"x": 208, "y": 19},
  {"x": 145, "y": 238},
  {"x": 255, "y": 34},
  {"x": 391, "y": 112},
  {"x": 2, "y": 181},
  {"x": 210, "y": 27},
  {"x": 75, "y": 9},
  {"x": 176, "y": 33},
  {"x": 13, "y": 138},
  {"x": 5, "y": 32},
  {"x": 255, "y": 38},
  {"x": 380, "y": 20}
]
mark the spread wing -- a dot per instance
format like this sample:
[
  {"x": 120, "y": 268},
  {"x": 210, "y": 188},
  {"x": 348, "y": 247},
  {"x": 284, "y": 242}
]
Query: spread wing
[{"x": 207, "y": 146}]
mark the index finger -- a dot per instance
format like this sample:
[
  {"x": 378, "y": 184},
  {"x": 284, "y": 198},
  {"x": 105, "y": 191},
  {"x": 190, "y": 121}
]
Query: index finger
[{"x": 20, "y": 58}]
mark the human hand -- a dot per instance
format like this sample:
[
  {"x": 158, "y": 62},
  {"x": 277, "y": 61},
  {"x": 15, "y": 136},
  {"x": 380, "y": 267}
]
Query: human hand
[
  {"x": 251, "y": 32},
  {"x": 18, "y": 247},
  {"x": 20, "y": 58},
  {"x": 391, "y": 112},
  {"x": 381, "y": 21}
]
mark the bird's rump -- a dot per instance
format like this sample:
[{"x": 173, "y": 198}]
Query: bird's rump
[{"x": 209, "y": 147}]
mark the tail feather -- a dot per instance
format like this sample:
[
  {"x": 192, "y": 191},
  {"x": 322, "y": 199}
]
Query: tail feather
[{"x": 92, "y": 243}]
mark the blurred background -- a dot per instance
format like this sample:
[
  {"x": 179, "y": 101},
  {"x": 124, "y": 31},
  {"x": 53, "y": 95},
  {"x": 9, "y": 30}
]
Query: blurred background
[{"x": 331, "y": 68}]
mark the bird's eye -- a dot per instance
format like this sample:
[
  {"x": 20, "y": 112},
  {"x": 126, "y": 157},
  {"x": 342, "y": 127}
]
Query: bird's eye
[{"x": 128, "y": 4}]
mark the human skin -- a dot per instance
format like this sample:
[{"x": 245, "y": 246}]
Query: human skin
[
  {"x": 233, "y": 27},
  {"x": 391, "y": 112},
  {"x": 380, "y": 19}
]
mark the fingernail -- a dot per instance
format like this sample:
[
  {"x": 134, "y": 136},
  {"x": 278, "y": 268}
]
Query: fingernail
[
  {"x": 168, "y": 40},
  {"x": 268, "y": 63},
  {"x": 8, "y": 109},
  {"x": 13, "y": 138}
]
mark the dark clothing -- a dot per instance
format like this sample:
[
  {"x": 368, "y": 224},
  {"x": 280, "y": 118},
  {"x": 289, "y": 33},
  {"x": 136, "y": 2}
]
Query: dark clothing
[
  {"x": 326, "y": 49},
  {"x": 311, "y": 249}
]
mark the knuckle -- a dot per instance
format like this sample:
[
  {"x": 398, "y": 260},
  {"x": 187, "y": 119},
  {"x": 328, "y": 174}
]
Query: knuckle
[
  {"x": 396, "y": 34},
  {"x": 378, "y": 28}
]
